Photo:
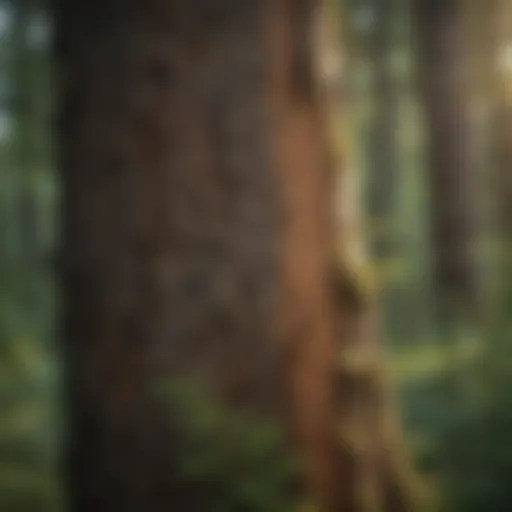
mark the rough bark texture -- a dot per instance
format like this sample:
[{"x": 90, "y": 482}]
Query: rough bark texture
[
  {"x": 198, "y": 174},
  {"x": 196, "y": 240},
  {"x": 455, "y": 207}
]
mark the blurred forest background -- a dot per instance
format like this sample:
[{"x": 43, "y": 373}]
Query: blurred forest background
[{"x": 428, "y": 105}]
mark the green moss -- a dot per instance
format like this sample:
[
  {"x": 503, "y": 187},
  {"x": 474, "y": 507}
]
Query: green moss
[{"x": 355, "y": 281}]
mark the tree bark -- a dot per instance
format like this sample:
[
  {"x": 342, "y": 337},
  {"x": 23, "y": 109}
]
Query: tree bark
[
  {"x": 454, "y": 187},
  {"x": 197, "y": 237},
  {"x": 198, "y": 171},
  {"x": 487, "y": 31},
  {"x": 496, "y": 24}
]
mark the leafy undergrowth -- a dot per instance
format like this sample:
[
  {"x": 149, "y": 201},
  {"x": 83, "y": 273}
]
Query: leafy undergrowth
[
  {"x": 238, "y": 461},
  {"x": 457, "y": 406},
  {"x": 29, "y": 435}
]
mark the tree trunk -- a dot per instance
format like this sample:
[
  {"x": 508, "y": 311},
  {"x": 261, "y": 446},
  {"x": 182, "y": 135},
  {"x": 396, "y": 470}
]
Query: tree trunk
[
  {"x": 488, "y": 26},
  {"x": 197, "y": 173},
  {"x": 24, "y": 157},
  {"x": 382, "y": 176},
  {"x": 197, "y": 237},
  {"x": 454, "y": 187},
  {"x": 496, "y": 22},
  {"x": 382, "y": 162}
]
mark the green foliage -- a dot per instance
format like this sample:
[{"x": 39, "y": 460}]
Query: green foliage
[
  {"x": 476, "y": 449},
  {"x": 458, "y": 409},
  {"x": 29, "y": 433},
  {"x": 235, "y": 460},
  {"x": 28, "y": 429}
]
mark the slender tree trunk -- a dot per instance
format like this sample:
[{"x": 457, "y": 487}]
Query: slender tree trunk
[
  {"x": 498, "y": 92},
  {"x": 455, "y": 201},
  {"x": 488, "y": 26},
  {"x": 382, "y": 180},
  {"x": 197, "y": 237},
  {"x": 24, "y": 158},
  {"x": 503, "y": 189},
  {"x": 382, "y": 152}
]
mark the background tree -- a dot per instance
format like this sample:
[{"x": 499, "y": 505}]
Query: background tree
[
  {"x": 454, "y": 183},
  {"x": 382, "y": 179},
  {"x": 496, "y": 31}
]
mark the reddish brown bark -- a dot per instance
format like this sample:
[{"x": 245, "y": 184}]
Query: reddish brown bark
[
  {"x": 170, "y": 241},
  {"x": 197, "y": 172},
  {"x": 454, "y": 182},
  {"x": 307, "y": 245},
  {"x": 197, "y": 238}
]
